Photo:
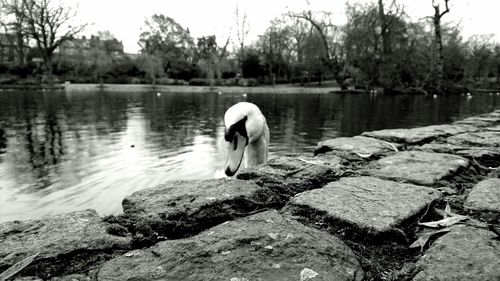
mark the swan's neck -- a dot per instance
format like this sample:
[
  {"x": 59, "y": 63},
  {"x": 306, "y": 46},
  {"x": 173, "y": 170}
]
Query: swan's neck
[{"x": 256, "y": 152}]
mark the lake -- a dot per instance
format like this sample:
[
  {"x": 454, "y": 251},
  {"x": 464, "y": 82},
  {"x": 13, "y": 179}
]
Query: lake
[{"x": 69, "y": 151}]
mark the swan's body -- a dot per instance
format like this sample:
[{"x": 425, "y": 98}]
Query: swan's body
[{"x": 248, "y": 136}]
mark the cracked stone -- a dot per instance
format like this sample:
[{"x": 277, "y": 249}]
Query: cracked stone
[
  {"x": 421, "y": 134},
  {"x": 488, "y": 139},
  {"x": 290, "y": 175},
  {"x": 78, "y": 238},
  {"x": 484, "y": 155},
  {"x": 485, "y": 196},
  {"x": 418, "y": 167},
  {"x": 250, "y": 254},
  {"x": 356, "y": 147},
  {"x": 370, "y": 204},
  {"x": 180, "y": 208},
  {"x": 465, "y": 253}
]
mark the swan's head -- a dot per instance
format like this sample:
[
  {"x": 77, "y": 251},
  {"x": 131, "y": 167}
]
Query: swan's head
[{"x": 244, "y": 125}]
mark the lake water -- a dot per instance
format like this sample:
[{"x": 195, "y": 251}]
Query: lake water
[{"x": 70, "y": 151}]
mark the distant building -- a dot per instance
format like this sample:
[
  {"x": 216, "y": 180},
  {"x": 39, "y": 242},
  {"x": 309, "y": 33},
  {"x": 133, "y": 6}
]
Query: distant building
[
  {"x": 77, "y": 48},
  {"x": 74, "y": 47},
  {"x": 8, "y": 47}
]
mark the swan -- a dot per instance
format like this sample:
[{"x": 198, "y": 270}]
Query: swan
[{"x": 247, "y": 132}]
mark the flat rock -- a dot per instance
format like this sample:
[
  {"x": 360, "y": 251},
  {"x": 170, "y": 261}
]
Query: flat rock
[
  {"x": 483, "y": 120},
  {"x": 418, "y": 167},
  {"x": 493, "y": 129},
  {"x": 485, "y": 196},
  {"x": 484, "y": 155},
  {"x": 357, "y": 147},
  {"x": 264, "y": 246},
  {"x": 65, "y": 242},
  {"x": 421, "y": 134},
  {"x": 290, "y": 175},
  {"x": 181, "y": 208},
  {"x": 372, "y": 205},
  {"x": 489, "y": 139},
  {"x": 465, "y": 253}
]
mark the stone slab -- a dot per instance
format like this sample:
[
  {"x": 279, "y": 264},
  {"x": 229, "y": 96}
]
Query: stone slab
[
  {"x": 418, "y": 167},
  {"x": 290, "y": 175},
  {"x": 465, "y": 253},
  {"x": 357, "y": 147},
  {"x": 263, "y": 246},
  {"x": 369, "y": 204},
  {"x": 421, "y": 134},
  {"x": 79, "y": 239},
  {"x": 180, "y": 208},
  {"x": 489, "y": 139},
  {"x": 483, "y": 120},
  {"x": 485, "y": 196},
  {"x": 484, "y": 155},
  {"x": 493, "y": 129}
]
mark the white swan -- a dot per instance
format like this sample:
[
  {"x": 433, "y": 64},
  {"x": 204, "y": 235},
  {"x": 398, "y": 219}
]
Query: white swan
[{"x": 248, "y": 136}]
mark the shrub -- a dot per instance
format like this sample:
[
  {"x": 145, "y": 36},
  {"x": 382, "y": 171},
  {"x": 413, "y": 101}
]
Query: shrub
[
  {"x": 135, "y": 80},
  {"x": 252, "y": 82},
  {"x": 231, "y": 82},
  {"x": 165, "y": 81},
  {"x": 198, "y": 82},
  {"x": 21, "y": 71},
  {"x": 180, "y": 82}
]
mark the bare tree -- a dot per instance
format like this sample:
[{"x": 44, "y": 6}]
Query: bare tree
[
  {"x": 13, "y": 22},
  {"x": 221, "y": 54},
  {"x": 242, "y": 30},
  {"x": 387, "y": 19},
  {"x": 439, "y": 42},
  {"x": 320, "y": 26},
  {"x": 49, "y": 25}
]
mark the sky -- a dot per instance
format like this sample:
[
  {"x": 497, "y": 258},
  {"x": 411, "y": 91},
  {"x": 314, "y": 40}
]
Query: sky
[{"x": 125, "y": 18}]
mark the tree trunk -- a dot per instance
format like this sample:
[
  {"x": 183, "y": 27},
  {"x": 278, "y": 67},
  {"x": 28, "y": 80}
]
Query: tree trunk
[
  {"x": 242, "y": 58},
  {"x": 383, "y": 29},
  {"x": 20, "y": 50},
  {"x": 50, "y": 70},
  {"x": 439, "y": 48},
  {"x": 218, "y": 73},
  {"x": 439, "y": 45},
  {"x": 210, "y": 74}
]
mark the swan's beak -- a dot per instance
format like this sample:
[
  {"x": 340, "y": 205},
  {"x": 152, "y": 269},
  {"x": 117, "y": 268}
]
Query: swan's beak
[{"x": 236, "y": 149}]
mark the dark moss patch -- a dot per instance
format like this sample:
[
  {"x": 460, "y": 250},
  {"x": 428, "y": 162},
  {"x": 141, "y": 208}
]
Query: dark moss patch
[{"x": 148, "y": 230}]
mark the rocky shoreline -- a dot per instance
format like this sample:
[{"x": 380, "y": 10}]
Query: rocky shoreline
[{"x": 353, "y": 211}]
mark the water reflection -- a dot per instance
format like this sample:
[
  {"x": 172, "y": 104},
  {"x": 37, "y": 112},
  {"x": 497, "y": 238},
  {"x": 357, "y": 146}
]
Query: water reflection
[{"x": 67, "y": 151}]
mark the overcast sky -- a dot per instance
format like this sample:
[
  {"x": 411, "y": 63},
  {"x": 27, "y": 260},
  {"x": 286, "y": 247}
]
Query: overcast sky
[{"x": 125, "y": 18}]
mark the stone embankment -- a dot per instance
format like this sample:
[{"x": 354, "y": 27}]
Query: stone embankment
[{"x": 353, "y": 211}]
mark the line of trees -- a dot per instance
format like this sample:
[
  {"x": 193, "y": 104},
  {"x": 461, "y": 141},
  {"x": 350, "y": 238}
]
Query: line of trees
[
  {"x": 42, "y": 22},
  {"x": 379, "y": 46}
]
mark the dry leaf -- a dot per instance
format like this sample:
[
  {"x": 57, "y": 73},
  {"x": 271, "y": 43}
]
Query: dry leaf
[
  {"x": 445, "y": 222},
  {"x": 365, "y": 155},
  {"x": 447, "y": 210},
  {"x": 440, "y": 212},
  {"x": 13, "y": 270},
  {"x": 424, "y": 238},
  {"x": 391, "y": 145}
]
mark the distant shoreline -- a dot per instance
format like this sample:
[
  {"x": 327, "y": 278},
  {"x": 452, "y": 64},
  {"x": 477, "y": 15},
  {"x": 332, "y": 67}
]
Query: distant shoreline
[
  {"x": 268, "y": 89},
  {"x": 197, "y": 89}
]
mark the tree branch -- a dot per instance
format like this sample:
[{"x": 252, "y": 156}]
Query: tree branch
[{"x": 446, "y": 10}]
